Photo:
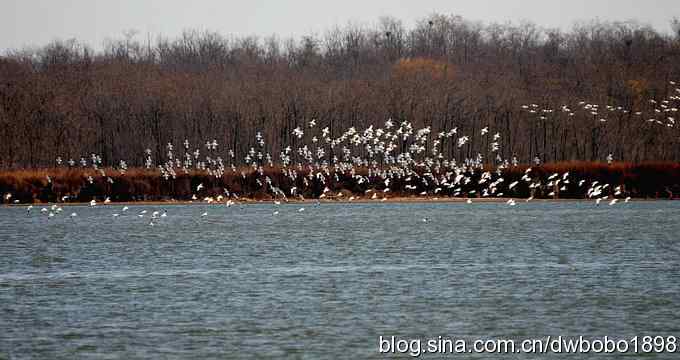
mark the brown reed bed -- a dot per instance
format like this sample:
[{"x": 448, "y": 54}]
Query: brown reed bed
[{"x": 656, "y": 180}]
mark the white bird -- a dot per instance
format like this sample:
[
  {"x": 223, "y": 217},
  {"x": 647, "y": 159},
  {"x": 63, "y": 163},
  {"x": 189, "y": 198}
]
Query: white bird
[
  {"x": 204, "y": 214},
  {"x": 199, "y": 187},
  {"x": 93, "y": 203},
  {"x": 125, "y": 208}
]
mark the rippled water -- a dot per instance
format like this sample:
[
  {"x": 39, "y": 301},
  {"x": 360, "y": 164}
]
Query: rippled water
[{"x": 242, "y": 282}]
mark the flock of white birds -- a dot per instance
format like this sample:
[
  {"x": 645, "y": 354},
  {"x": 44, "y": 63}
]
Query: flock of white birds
[
  {"x": 57, "y": 211},
  {"x": 374, "y": 159}
]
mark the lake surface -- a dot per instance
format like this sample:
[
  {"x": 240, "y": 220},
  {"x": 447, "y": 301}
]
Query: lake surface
[{"x": 242, "y": 282}]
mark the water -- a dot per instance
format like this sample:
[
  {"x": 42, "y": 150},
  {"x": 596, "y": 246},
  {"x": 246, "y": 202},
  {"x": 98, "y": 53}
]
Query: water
[{"x": 325, "y": 283}]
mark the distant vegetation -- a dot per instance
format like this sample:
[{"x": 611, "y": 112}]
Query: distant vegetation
[
  {"x": 67, "y": 100},
  {"x": 569, "y": 180},
  {"x": 448, "y": 108}
]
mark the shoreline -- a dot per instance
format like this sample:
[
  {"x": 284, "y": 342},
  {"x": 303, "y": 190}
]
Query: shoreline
[
  {"x": 394, "y": 200},
  {"x": 647, "y": 180}
]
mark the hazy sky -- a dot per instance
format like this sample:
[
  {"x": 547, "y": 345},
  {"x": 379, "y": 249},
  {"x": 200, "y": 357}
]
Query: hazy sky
[{"x": 36, "y": 22}]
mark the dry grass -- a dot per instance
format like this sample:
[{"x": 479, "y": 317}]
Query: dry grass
[{"x": 644, "y": 180}]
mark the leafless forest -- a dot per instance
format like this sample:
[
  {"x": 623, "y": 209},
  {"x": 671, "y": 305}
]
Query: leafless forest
[{"x": 64, "y": 99}]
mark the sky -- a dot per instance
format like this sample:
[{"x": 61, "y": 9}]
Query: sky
[{"x": 26, "y": 23}]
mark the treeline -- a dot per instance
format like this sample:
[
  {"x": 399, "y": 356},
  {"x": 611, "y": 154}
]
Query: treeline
[{"x": 64, "y": 99}]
